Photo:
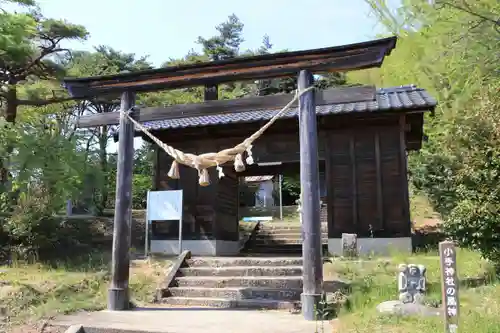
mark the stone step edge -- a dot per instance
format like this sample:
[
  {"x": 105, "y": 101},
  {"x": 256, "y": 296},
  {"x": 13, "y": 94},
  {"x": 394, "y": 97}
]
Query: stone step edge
[
  {"x": 236, "y": 289},
  {"x": 243, "y": 258},
  {"x": 283, "y": 235},
  {"x": 250, "y": 261},
  {"x": 281, "y": 239},
  {"x": 212, "y": 277},
  {"x": 228, "y": 303},
  {"x": 233, "y": 293},
  {"x": 229, "y": 268},
  {"x": 285, "y": 230}
]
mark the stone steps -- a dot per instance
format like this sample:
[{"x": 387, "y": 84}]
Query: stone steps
[
  {"x": 282, "y": 249},
  {"x": 292, "y": 225},
  {"x": 285, "y": 230},
  {"x": 238, "y": 282},
  {"x": 287, "y": 234},
  {"x": 273, "y": 282},
  {"x": 224, "y": 303},
  {"x": 244, "y": 261},
  {"x": 242, "y": 271},
  {"x": 292, "y": 282},
  {"x": 237, "y": 293},
  {"x": 282, "y": 241},
  {"x": 281, "y": 238}
]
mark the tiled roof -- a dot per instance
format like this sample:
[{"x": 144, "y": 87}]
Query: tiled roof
[{"x": 403, "y": 98}]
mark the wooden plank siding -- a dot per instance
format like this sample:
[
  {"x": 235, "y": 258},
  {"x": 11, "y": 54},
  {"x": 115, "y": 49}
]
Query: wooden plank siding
[
  {"x": 365, "y": 167},
  {"x": 367, "y": 183}
]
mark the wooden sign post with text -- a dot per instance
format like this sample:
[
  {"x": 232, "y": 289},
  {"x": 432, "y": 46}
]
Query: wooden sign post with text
[{"x": 449, "y": 283}]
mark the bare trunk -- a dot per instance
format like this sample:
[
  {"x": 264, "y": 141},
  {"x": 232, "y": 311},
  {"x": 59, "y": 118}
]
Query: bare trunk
[
  {"x": 103, "y": 162},
  {"x": 11, "y": 110},
  {"x": 10, "y": 116}
]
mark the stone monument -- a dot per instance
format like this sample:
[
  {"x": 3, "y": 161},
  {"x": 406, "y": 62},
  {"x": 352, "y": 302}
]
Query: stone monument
[
  {"x": 349, "y": 245},
  {"x": 411, "y": 283},
  {"x": 412, "y": 287}
]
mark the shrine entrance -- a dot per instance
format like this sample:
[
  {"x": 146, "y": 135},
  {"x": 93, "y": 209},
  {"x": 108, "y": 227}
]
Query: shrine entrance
[{"x": 232, "y": 153}]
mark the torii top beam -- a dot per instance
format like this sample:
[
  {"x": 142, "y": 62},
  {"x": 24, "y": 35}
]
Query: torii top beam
[{"x": 332, "y": 59}]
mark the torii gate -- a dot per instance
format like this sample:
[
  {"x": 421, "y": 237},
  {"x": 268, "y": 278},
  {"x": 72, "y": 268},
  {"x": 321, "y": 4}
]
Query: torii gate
[{"x": 210, "y": 74}]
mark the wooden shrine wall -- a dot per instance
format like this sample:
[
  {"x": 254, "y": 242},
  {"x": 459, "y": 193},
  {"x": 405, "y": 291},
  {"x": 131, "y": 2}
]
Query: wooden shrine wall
[
  {"x": 367, "y": 182},
  {"x": 365, "y": 166}
]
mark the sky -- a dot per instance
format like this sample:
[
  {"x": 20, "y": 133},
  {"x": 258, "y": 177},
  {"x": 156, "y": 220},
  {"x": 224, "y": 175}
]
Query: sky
[{"x": 164, "y": 29}]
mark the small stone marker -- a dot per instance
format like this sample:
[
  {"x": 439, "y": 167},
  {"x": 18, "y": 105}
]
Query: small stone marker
[
  {"x": 449, "y": 282},
  {"x": 411, "y": 283},
  {"x": 412, "y": 287},
  {"x": 349, "y": 245}
]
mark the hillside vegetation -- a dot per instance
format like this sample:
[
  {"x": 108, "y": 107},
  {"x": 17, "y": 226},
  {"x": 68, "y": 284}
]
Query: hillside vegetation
[{"x": 451, "y": 48}]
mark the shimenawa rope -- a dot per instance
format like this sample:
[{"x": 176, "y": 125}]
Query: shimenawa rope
[{"x": 204, "y": 161}]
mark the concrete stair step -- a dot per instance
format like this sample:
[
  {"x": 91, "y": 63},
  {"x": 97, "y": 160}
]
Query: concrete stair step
[
  {"x": 291, "y": 228},
  {"x": 280, "y": 248},
  {"x": 284, "y": 233},
  {"x": 282, "y": 282},
  {"x": 244, "y": 261},
  {"x": 292, "y": 235},
  {"x": 242, "y": 271},
  {"x": 229, "y": 304},
  {"x": 236, "y": 293},
  {"x": 279, "y": 225},
  {"x": 282, "y": 241}
]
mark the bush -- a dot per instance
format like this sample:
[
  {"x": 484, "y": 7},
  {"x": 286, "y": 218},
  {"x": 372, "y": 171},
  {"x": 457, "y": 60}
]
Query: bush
[
  {"x": 460, "y": 173},
  {"x": 32, "y": 226},
  {"x": 476, "y": 226}
]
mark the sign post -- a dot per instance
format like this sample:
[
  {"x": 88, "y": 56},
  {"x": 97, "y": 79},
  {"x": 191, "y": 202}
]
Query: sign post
[
  {"x": 449, "y": 282},
  {"x": 163, "y": 206}
]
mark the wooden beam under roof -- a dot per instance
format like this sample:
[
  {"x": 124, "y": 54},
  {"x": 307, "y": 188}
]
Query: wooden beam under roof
[
  {"x": 323, "y": 97},
  {"x": 284, "y": 64}
]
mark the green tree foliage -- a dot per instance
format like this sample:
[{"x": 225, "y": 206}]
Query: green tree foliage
[
  {"x": 226, "y": 44},
  {"x": 38, "y": 148},
  {"x": 143, "y": 175},
  {"x": 451, "y": 49},
  {"x": 105, "y": 60},
  {"x": 29, "y": 47},
  {"x": 47, "y": 168}
]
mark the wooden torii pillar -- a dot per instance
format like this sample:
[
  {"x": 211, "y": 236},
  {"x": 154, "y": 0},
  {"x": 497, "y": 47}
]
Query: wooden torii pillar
[
  {"x": 118, "y": 292},
  {"x": 309, "y": 194},
  {"x": 286, "y": 64}
]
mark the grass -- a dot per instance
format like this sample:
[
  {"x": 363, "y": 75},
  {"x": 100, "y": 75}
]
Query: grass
[
  {"x": 375, "y": 282},
  {"x": 422, "y": 212},
  {"x": 31, "y": 292}
]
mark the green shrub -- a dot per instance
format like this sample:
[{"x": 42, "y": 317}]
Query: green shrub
[
  {"x": 476, "y": 226},
  {"x": 460, "y": 173}
]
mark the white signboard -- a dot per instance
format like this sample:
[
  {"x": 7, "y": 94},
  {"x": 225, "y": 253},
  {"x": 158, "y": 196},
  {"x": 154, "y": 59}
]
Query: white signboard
[{"x": 163, "y": 206}]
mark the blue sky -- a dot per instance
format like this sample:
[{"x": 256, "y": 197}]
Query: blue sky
[{"x": 163, "y": 29}]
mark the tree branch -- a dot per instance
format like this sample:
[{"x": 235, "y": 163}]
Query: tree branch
[
  {"x": 37, "y": 61},
  {"x": 44, "y": 102},
  {"x": 481, "y": 21},
  {"x": 471, "y": 12}
]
